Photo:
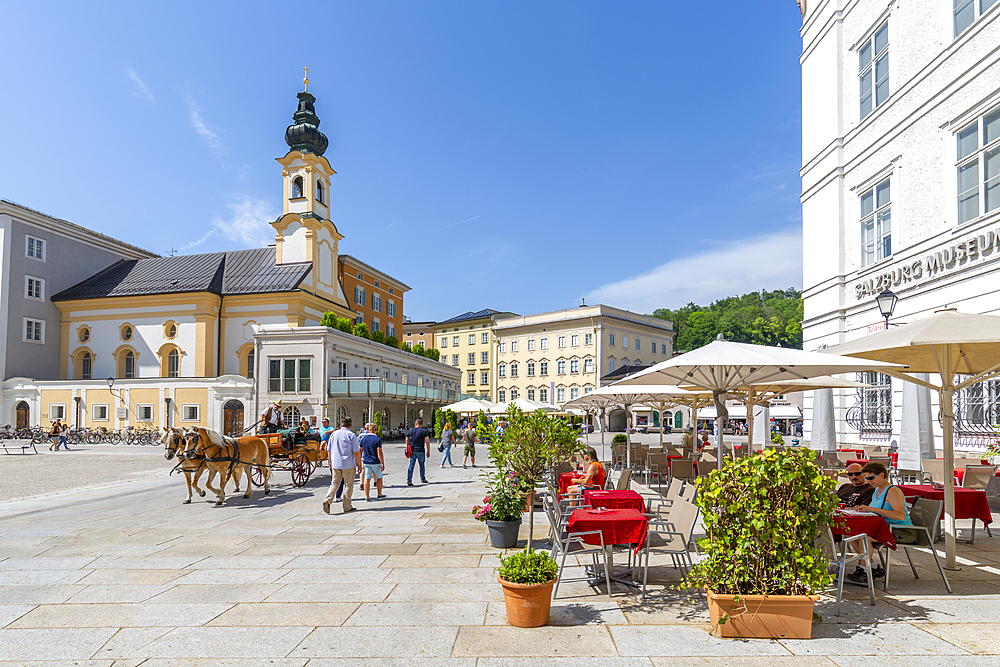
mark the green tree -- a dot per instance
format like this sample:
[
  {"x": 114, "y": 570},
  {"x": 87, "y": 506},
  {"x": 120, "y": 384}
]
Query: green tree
[
  {"x": 345, "y": 325},
  {"x": 438, "y": 422},
  {"x": 378, "y": 423},
  {"x": 378, "y": 336},
  {"x": 419, "y": 350},
  {"x": 433, "y": 353},
  {"x": 329, "y": 319},
  {"x": 392, "y": 341},
  {"x": 361, "y": 331}
]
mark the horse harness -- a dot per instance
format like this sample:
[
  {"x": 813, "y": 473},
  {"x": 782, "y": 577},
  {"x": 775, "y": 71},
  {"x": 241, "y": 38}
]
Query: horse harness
[
  {"x": 183, "y": 456},
  {"x": 223, "y": 449}
]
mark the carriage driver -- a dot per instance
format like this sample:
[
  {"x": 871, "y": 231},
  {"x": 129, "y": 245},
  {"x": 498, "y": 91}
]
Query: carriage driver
[{"x": 270, "y": 419}]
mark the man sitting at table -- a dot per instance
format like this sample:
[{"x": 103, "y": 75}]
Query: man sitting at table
[
  {"x": 857, "y": 491},
  {"x": 594, "y": 477}
]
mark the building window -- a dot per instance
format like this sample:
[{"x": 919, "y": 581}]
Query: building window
[
  {"x": 543, "y": 368},
  {"x": 251, "y": 359},
  {"x": 543, "y": 395},
  {"x": 454, "y": 341},
  {"x": 297, "y": 188},
  {"x": 561, "y": 368},
  {"x": 376, "y": 325},
  {"x": 57, "y": 411},
  {"x": 392, "y": 291},
  {"x": 472, "y": 358},
  {"x": 361, "y": 276},
  {"x": 471, "y": 378},
  {"x": 588, "y": 339},
  {"x": 305, "y": 375},
  {"x": 531, "y": 345},
  {"x": 319, "y": 191},
  {"x": 611, "y": 339},
  {"x": 502, "y": 395},
  {"x": 472, "y": 339},
  {"x": 503, "y": 348},
  {"x": 485, "y": 338},
  {"x": 531, "y": 369},
  {"x": 360, "y": 298},
  {"x": 86, "y": 366},
  {"x": 360, "y": 319},
  {"x": 190, "y": 411},
  {"x": 99, "y": 413},
  {"x": 84, "y": 334},
  {"x": 871, "y": 414},
  {"x": 560, "y": 395},
  {"x": 444, "y": 342},
  {"x": 513, "y": 394},
  {"x": 587, "y": 389},
  {"x": 34, "y": 288},
  {"x": 979, "y": 162},
  {"x": 173, "y": 364},
  {"x": 967, "y": 11},
  {"x": 274, "y": 375},
  {"x": 561, "y": 341},
  {"x": 34, "y": 248},
  {"x": 873, "y": 70},
  {"x": 377, "y": 284},
  {"x": 513, "y": 369},
  {"x": 484, "y": 357},
  {"x": 126, "y": 332},
  {"x": 454, "y": 360},
  {"x": 876, "y": 237},
  {"x": 484, "y": 377},
  {"x": 390, "y": 309},
  {"x": 531, "y": 394},
  {"x": 390, "y": 331},
  {"x": 376, "y": 303},
  {"x": 544, "y": 344},
  {"x": 574, "y": 366},
  {"x": 513, "y": 346},
  {"x": 638, "y": 343},
  {"x": 574, "y": 392},
  {"x": 574, "y": 340},
  {"x": 663, "y": 349},
  {"x": 653, "y": 347},
  {"x": 34, "y": 331},
  {"x": 624, "y": 342},
  {"x": 611, "y": 365},
  {"x": 588, "y": 365},
  {"x": 342, "y": 369},
  {"x": 170, "y": 330},
  {"x": 502, "y": 370},
  {"x": 129, "y": 365},
  {"x": 144, "y": 413}
]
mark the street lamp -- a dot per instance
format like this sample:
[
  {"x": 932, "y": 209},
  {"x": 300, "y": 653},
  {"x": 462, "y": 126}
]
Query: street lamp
[
  {"x": 111, "y": 382},
  {"x": 886, "y": 301}
]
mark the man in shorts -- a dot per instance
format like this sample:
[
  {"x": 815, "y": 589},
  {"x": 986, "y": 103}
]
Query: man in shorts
[
  {"x": 373, "y": 461},
  {"x": 469, "y": 451}
]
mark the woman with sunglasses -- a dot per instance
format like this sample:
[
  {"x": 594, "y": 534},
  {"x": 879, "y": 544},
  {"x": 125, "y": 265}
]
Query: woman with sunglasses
[{"x": 887, "y": 502}]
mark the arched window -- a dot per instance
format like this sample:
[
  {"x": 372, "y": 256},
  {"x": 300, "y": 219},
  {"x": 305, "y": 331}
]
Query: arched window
[
  {"x": 319, "y": 191},
  {"x": 291, "y": 416},
  {"x": 250, "y": 361},
  {"x": 297, "y": 187},
  {"x": 129, "y": 365},
  {"x": 86, "y": 366},
  {"x": 173, "y": 364}
]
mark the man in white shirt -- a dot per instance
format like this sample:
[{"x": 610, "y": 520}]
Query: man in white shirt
[{"x": 345, "y": 460}]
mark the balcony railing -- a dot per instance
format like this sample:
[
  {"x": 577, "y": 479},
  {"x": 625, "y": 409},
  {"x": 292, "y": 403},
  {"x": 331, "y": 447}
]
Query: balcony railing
[{"x": 379, "y": 388}]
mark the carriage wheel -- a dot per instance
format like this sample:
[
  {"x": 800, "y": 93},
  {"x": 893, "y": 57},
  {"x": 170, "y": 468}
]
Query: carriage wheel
[
  {"x": 300, "y": 470},
  {"x": 257, "y": 475}
]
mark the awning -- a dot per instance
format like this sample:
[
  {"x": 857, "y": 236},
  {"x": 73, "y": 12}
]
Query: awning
[{"x": 740, "y": 412}]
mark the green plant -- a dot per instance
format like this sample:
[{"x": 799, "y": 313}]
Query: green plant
[
  {"x": 361, "y": 331},
  {"x": 776, "y": 438},
  {"x": 378, "y": 337},
  {"x": 407, "y": 347},
  {"x": 762, "y": 515},
  {"x": 621, "y": 437},
  {"x": 504, "y": 499},
  {"x": 433, "y": 353},
  {"x": 528, "y": 567},
  {"x": 686, "y": 439},
  {"x": 392, "y": 341},
  {"x": 438, "y": 423},
  {"x": 378, "y": 424},
  {"x": 419, "y": 350}
]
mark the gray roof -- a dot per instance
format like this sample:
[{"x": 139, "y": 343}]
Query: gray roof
[
  {"x": 479, "y": 314},
  {"x": 239, "y": 272}
]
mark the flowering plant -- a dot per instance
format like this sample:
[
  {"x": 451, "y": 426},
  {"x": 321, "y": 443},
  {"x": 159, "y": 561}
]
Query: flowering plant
[{"x": 504, "y": 499}]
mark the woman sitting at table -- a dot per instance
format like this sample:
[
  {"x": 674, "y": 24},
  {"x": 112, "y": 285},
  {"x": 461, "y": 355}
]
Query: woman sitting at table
[
  {"x": 887, "y": 502},
  {"x": 594, "y": 475}
]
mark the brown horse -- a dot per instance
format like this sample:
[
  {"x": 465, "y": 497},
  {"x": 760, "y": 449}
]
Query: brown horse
[
  {"x": 173, "y": 441},
  {"x": 225, "y": 455}
]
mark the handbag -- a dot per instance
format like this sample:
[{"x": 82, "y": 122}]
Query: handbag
[{"x": 441, "y": 447}]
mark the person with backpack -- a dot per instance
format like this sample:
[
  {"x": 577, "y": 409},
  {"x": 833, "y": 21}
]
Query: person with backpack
[{"x": 418, "y": 440}]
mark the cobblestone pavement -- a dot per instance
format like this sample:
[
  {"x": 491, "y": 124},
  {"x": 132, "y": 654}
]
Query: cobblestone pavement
[{"x": 124, "y": 574}]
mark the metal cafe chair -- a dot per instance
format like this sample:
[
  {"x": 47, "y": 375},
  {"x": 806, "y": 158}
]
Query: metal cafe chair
[
  {"x": 829, "y": 549},
  {"x": 924, "y": 515},
  {"x": 670, "y": 537},
  {"x": 682, "y": 469},
  {"x": 565, "y": 543}
]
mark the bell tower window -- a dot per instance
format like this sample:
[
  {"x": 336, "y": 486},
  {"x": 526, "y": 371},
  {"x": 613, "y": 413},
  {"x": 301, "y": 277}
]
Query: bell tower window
[
  {"x": 297, "y": 191},
  {"x": 319, "y": 192}
]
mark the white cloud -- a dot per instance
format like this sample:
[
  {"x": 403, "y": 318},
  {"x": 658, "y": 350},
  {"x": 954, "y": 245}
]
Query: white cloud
[
  {"x": 211, "y": 137},
  {"x": 249, "y": 223},
  {"x": 139, "y": 88},
  {"x": 772, "y": 261},
  {"x": 199, "y": 241}
]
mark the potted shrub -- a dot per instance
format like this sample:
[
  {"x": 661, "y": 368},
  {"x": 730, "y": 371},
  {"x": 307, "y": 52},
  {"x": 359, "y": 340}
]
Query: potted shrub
[
  {"x": 501, "y": 509},
  {"x": 763, "y": 569},
  {"x": 531, "y": 444}
]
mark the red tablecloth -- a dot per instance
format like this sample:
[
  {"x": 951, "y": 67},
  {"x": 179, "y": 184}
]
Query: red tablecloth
[
  {"x": 617, "y": 526},
  {"x": 969, "y": 503},
  {"x": 564, "y": 481},
  {"x": 860, "y": 452},
  {"x": 615, "y": 500},
  {"x": 860, "y": 462},
  {"x": 874, "y": 526}
]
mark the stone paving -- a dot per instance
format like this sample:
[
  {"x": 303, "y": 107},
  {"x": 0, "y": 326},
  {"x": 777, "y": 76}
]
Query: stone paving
[{"x": 124, "y": 574}]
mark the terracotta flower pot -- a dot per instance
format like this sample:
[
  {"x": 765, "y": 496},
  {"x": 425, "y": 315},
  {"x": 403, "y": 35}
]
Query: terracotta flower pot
[
  {"x": 527, "y": 604},
  {"x": 761, "y": 617}
]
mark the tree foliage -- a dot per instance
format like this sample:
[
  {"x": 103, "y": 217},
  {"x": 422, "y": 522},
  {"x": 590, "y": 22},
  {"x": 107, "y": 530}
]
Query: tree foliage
[{"x": 762, "y": 318}]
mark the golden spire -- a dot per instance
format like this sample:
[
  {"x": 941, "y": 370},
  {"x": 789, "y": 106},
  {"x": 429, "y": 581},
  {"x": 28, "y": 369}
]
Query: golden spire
[{"x": 305, "y": 79}]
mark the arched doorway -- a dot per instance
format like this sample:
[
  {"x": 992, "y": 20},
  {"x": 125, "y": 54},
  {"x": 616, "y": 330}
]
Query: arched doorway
[
  {"x": 617, "y": 420},
  {"x": 679, "y": 420},
  {"x": 232, "y": 418},
  {"x": 23, "y": 415}
]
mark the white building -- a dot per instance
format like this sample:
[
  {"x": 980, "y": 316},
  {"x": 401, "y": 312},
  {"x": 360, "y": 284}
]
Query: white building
[{"x": 900, "y": 175}]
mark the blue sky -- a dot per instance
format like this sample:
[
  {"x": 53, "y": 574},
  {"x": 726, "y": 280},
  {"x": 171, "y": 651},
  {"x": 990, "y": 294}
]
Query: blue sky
[{"x": 516, "y": 156}]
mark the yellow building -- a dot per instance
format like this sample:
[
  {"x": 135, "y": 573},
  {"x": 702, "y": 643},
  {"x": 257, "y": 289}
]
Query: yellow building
[{"x": 466, "y": 342}]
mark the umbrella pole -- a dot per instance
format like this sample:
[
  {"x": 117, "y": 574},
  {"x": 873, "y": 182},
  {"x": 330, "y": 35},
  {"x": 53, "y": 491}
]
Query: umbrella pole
[
  {"x": 947, "y": 410},
  {"x": 661, "y": 426},
  {"x": 628, "y": 436},
  {"x": 750, "y": 408}
]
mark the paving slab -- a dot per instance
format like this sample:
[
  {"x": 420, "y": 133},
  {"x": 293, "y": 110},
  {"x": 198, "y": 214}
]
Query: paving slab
[
  {"x": 404, "y": 614},
  {"x": 332, "y": 593},
  {"x": 37, "y": 594},
  {"x": 508, "y": 641},
  {"x": 53, "y": 643},
  {"x": 564, "y": 662},
  {"x": 888, "y": 638},
  {"x": 445, "y": 592},
  {"x": 216, "y": 593},
  {"x": 378, "y": 642},
  {"x": 286, "y": 614},
  {"x": 119, "y": 615},
  {"x": 226, "y": 642},
  {"x": 116, "y": 593},
  {"x": 743, "y": 661},
  {"x": 130, "y": 643},
  {"x": 970, "y": 637},
  {"x": 687, "y": 640}
]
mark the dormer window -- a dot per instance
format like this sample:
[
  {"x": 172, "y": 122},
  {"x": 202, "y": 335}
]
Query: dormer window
[
  {"x": 297, "y": 188},
  {"x": 319, "y": 192}
]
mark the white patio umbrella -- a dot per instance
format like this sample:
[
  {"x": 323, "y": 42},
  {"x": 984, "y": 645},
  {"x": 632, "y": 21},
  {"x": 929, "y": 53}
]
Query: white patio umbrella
[
  {"x": 470, "y": 406},
  {"x": 596, "y": 402},
  {"x": 824, "y": 423},
  {"x": 947, "y": 343},
  {"x": 916, "y": 426},
  {"x": 722, "y": 367},
  {"x": 522, "y": 404}
]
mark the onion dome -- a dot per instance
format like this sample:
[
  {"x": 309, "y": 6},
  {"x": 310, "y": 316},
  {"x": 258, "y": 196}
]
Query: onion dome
[{"x": 304, "y": 135}]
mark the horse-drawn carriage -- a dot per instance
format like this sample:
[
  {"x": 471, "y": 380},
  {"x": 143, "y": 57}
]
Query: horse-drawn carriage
[{"x": 293, "y": 451}]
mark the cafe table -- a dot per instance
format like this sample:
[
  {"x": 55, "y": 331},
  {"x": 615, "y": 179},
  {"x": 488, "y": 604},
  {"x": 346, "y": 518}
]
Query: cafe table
[
  {"x": 564, "y": 481},
  {"x": 969, "y": 503},
  {"x": 615, "y": 500},
  {"x": 617, "y": 527}
]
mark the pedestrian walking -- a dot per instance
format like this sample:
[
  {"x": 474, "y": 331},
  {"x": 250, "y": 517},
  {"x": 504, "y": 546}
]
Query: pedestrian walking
[
  {"x": 56, "y": 434},
  {"x": 61, "y": 442},
  {"x": 373, "y": 461},
  {"x": 325, "y": 431},
  {"x": 419, "y": 440},
  {"x": 447, "y": 440},
  {"x": 345, "y": 461},
  {"x": 469, "y": 440}
]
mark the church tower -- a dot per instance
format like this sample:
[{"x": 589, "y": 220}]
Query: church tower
[{"x": 304, "y": 232}]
